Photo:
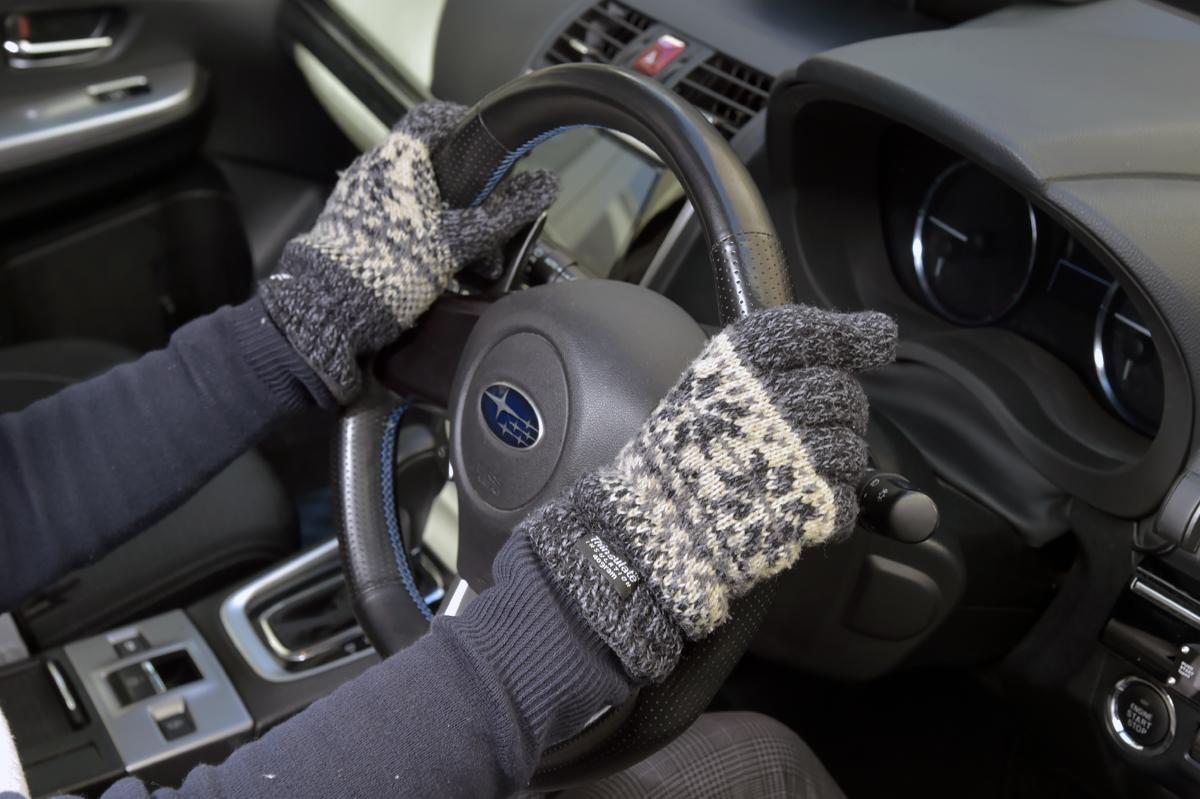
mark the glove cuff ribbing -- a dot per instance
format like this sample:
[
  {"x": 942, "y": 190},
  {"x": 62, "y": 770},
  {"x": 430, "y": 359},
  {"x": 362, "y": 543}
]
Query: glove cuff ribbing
[
  {"x": 578, "y": 540},
  {"x": 326, "y": 315}
]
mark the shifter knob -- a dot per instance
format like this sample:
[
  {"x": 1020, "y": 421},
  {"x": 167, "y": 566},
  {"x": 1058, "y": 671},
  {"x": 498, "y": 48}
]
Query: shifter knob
[{"x": 892, "y": 506}]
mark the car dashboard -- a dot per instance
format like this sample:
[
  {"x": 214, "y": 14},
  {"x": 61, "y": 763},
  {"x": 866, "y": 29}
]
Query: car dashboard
[
  {"x": 1018, "y": 189},
  {"x": 975, "y": 252},
  {"x": 1018, "y": 185}
]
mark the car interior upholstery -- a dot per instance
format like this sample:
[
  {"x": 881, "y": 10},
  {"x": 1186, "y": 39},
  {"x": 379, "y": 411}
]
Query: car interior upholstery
[{"x": 1017, "y": 613}]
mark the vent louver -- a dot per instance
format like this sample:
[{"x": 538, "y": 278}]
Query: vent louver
[
  {"x": 598, "y": 35},
  {"x": 726, "y": 91}
]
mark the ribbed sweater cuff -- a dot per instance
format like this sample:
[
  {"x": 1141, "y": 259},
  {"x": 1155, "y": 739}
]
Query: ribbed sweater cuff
[
  {"x": 546, "y": 660},
  {"x": 268, "y": 355},
  {"x": 630, "y": 621}
]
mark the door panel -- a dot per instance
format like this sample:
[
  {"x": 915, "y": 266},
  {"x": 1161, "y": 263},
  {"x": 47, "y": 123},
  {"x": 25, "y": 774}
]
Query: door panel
[
  {"x": 258, "y": 95},
  {"x": 154, "y": 154},
  {"x": 40, "y": 127}
]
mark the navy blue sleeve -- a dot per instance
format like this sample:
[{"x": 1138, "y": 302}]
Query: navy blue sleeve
[
  {"x": 465, "y": 711},
  {"x": 95, "y": 464}
]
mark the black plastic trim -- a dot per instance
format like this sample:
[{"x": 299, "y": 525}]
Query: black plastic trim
[
  {"x": 354, "y": 61},
  {"x": 1125, "y": 487}
]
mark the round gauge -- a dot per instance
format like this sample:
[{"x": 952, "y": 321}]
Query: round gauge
[
  {"x": 1127, "y": 363},
  {"x": 974, "y": 245}
]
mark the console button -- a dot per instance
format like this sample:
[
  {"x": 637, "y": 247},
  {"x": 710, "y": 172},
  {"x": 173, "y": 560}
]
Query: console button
[
  {"x": 130, "y": 646},
  {"x": 177, "y": 726},
  {"x": 131, "y": 684},
  {"x": 1141, "y": 714},
  {"x": 659, "y": 55}
]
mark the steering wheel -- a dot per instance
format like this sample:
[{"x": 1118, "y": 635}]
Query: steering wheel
[{"x": 589, "y": 359}]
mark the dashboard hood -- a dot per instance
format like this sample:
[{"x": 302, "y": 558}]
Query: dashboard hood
[{"x": 1093, "y": 116}]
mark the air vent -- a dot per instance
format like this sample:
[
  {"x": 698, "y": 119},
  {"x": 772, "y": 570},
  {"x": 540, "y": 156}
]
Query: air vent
[
  {"x": 726, "y": 91},
  {"x": 598, "y": 35}
]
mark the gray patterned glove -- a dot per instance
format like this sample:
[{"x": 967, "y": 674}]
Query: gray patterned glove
[
  {"x": 386, "y": 246},
  {"x": 753, "y": 455}
]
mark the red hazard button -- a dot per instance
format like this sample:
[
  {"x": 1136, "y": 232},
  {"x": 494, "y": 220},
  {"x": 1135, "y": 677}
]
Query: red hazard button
[{"x": 658, "y": 56}]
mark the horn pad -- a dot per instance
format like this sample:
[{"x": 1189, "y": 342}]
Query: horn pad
[{"x": 552, "y": 383}]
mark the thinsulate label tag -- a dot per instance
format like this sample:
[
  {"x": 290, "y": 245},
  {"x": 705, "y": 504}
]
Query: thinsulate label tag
[{"x": 620, "y": 574}]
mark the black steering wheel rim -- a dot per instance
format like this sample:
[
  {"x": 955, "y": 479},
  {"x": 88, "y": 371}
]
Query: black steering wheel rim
[
  {"x": 747, "y": 261},
  {"x": 750, "y": 273}
]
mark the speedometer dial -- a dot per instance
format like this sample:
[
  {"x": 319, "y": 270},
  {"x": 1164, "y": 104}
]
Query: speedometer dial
[
  {"x": 974, "y": 244},
  {"x": 1127, "y": 364}
]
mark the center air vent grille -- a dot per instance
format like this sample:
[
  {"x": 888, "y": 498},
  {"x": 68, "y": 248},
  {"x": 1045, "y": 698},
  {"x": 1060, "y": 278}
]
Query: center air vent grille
[
  {"x": 726, "y": 91},
  {"x": 598, "y": 35}
]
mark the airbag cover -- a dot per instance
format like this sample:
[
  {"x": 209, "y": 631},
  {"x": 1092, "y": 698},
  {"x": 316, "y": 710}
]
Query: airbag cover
[
  {"x": 507, "y": 476},
  {"x": 593, "y": 358}
]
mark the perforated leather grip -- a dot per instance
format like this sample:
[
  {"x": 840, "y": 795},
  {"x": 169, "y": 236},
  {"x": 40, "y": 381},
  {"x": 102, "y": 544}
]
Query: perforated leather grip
[
  {"x": 381, "y": 602},
  {"x": 512, "y": 120},
  {"x": 751, "y": 273}
]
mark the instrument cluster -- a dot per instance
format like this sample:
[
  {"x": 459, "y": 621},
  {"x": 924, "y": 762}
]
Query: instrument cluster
[{"x": 976, "y": 252}]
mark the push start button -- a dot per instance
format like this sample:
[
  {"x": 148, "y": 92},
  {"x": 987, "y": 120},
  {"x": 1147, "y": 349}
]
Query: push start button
[{"x": 1141, "y": 715}]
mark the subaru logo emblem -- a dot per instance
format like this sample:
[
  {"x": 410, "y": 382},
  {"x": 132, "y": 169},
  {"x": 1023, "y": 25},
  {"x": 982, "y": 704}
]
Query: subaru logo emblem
[{"x": 510, "y": 416}]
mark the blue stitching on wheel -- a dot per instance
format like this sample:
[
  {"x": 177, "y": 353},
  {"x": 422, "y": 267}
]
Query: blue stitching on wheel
[
  {"x": 387, "y": 474},
  {"x": 512, "y": 157}
]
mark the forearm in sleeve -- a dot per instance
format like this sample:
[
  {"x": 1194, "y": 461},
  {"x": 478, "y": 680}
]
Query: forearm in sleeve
[
  {"x": 91, "y": 466},
  {"x": 465, "y": 711}
]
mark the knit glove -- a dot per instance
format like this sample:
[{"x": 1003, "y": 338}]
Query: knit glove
[
  {"x": 386, "y": 246},
  {"x": 753, "y": 455}
]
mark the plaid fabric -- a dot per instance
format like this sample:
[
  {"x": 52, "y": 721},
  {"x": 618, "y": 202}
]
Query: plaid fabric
[{"x": 725, "y": 755}]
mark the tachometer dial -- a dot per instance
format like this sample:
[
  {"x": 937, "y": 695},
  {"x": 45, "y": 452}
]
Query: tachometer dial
[
  {"x": 1127, "y": 363},
  {"x": 973, "y": 246}
]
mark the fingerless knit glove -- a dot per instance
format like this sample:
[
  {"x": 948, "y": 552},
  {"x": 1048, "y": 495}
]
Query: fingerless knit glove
[
  {"x": 386, "y": 246},
  {"x": 753, "y": 455}
]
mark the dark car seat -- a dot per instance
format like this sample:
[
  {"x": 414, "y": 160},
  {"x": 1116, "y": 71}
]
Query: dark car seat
[
  {"x": 728, "y": 755},
  {"x": 237, "y": 523}
]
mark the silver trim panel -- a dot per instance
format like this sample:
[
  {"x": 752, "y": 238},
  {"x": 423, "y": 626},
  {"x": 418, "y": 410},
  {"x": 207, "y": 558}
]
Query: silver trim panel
[
  {"x": 119, "y": 85},
  {"x": 212, "y": 702},
  {"x": 43, "y": 127},
  {"x": 319, "y": 649},
  {"x": 86, "y": 46},
  {"x": 60, "y": 684},
  {"x": 1156, "y": 597},
  {"x": 235, "y": 616}
]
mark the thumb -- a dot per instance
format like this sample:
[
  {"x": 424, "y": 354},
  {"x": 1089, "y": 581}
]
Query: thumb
[{"x": 517, "y": 202}]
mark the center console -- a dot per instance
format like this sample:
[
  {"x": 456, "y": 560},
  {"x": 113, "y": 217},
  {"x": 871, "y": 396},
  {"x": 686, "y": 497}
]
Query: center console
[
  {"x": 155, "y": 698},
  {"x": 159, "y": 691}
]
